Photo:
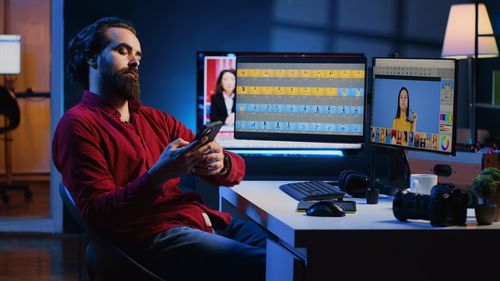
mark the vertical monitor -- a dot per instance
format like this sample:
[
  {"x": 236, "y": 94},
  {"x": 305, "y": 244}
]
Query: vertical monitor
[
  {"x": 414, "y": 104},
  {"x": 10, "y": 54},
  {"x": 301, "y": 97},
  {"x": 213, "y": 64}
]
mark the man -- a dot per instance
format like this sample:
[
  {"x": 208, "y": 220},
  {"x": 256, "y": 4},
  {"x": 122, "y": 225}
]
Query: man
[{"x": 122, "y": 161}]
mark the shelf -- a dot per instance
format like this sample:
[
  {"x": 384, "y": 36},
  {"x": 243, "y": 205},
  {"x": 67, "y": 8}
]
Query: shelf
[{"x": 487, "y": 105}]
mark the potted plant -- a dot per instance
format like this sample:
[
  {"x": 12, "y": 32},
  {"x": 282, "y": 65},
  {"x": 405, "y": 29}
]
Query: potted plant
[{"x": 485, "y": 187}]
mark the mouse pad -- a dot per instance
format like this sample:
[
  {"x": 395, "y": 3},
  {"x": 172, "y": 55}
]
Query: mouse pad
[{"x": 346, "y": 205}]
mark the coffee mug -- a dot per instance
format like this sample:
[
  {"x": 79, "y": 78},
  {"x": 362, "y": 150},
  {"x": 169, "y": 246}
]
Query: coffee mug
[{"x": 422, "y": 183}]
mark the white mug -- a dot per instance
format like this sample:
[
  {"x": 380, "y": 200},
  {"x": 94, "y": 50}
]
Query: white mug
[{"x": 422, "y": 183}]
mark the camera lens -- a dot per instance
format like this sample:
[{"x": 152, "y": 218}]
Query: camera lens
[{"x": 408, "y": 205}]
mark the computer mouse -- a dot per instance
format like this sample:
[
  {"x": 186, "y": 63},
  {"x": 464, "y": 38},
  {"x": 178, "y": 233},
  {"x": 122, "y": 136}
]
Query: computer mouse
[{"x": 325, "y": 209}]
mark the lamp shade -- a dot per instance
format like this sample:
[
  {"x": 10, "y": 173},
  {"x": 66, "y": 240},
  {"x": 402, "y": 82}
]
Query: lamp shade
[{"x": 460, "y": 33}]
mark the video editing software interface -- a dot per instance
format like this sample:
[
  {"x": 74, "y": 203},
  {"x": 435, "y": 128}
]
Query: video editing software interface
[
  {"x": 10, "y": 54},
  {"x": 301, "y": 98},
  {"x": 209, "y": 67},
  {"x": 414, "y": 104}
]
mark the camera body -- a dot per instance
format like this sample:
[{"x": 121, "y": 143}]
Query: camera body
[{"x": 445, "y": 206}]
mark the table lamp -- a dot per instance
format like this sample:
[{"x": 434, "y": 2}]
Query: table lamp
[{"x": 468, "y": 38}]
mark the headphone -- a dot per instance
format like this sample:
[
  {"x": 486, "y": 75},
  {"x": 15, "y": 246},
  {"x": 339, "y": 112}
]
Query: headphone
[{"x": 354, "y": 183}]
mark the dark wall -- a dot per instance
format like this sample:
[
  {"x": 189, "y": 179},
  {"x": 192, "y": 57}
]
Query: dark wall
[
  {"x": 487, "y": 118},
  {"x": 170, "y": 33}
]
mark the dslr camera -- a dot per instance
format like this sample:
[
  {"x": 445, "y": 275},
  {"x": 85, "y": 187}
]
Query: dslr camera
[{"x": 445, "y": 206}]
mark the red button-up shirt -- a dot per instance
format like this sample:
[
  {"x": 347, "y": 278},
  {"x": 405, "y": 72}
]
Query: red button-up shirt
[{"x": 104, "y": 164}]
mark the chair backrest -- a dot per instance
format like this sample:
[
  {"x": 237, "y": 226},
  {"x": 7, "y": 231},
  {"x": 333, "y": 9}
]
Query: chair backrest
[
  {"x": 105, "y": 261},
  {"x": 10, "y": 109}
]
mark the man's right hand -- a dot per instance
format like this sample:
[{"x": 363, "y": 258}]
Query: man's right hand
[{"x": 175, "y": 161}]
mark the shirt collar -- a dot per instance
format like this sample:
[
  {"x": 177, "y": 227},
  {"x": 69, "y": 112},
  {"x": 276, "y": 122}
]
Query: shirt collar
[
  {"x": 96, "y": 100},
  {"x": 230, "y": 97}
]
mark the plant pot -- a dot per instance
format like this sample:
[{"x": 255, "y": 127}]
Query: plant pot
[
  {"x": 485, "y": 214},
  {"x": 496, "y": 200}
]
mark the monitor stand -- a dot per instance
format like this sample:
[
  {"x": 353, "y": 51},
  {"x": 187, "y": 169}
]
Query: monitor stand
[{"x": 394, "y": 182}]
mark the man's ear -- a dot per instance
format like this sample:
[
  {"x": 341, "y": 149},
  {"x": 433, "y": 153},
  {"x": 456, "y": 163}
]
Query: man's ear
[{"x": 92, "y": 61}]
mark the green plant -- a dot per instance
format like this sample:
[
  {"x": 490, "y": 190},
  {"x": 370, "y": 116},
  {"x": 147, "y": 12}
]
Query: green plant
[
  {"x": 492, "y": 171},
  {"x": 485, "y": 184}
]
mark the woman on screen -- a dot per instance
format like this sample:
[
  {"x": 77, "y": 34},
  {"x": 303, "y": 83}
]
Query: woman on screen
[
  {"x": 222, "y": 108},
  {"x": 402, "y": 120}
]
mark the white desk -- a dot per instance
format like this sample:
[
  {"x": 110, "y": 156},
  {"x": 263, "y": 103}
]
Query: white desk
[{"x": 368, "y": 244}]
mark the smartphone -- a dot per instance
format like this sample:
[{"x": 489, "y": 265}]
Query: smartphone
[{"x": 210, "y": 130}]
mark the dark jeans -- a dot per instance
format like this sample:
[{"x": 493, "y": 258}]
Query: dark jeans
[{"x": 184, "y": 253}]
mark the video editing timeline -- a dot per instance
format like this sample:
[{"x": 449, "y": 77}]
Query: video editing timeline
[
  {"x": 430, "y": 87},
  {"x": 300, "y": 95}
]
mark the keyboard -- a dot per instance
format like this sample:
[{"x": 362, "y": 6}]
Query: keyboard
[{"x": 312, "y": 190}]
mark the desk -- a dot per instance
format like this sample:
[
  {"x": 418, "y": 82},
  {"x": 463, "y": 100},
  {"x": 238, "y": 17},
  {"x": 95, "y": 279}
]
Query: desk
[{"x": 368, "y": 245}]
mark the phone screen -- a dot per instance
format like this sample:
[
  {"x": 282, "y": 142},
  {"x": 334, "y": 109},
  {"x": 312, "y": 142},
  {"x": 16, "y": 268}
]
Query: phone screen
[{"x": 210, "y": 130}]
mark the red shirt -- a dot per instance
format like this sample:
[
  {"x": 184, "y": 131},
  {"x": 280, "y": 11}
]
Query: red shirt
[{"x": 104, "y": 164}]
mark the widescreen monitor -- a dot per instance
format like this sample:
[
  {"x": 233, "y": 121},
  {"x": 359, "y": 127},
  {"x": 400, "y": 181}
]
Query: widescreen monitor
[
  {"x": 210, "y": 64},
  {"x": 414, "y": 104},
  {"x": 10, "y": 54},
  {"x": 301, "y": 97}
]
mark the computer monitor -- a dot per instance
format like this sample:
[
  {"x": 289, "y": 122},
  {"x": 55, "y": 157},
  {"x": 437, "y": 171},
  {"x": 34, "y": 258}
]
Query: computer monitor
[
  {"x": 414, "y": 104},
  {"x": 10, "y": 54},
  {"x": 210, "y": 64},
  {"x": 301, "y": 97}
]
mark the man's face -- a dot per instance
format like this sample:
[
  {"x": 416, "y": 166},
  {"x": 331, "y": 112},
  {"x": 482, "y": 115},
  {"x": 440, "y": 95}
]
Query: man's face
[{"x": 119, "y": 62}]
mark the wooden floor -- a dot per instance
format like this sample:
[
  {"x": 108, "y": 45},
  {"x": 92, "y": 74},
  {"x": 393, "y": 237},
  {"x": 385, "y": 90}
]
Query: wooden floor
[
  {"x": 42, "y": 257},
  {"x": 18, "y": 206},
  {"x": 38, "y": 257}
]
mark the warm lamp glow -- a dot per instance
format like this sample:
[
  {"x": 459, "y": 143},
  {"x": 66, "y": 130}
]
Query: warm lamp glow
[{"x": 460, "y": 31}]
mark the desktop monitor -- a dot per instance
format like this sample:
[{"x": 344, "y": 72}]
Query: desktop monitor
[
  {"x": 10, "y": 54},
  {"x": 301, "y": 97},
  {"x": 414, "y": 104},
  {"x": 210, "y": 64}
]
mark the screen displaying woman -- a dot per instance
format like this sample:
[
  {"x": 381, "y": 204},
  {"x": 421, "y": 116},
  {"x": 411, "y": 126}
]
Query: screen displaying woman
[{"x": 223, "y": 107}]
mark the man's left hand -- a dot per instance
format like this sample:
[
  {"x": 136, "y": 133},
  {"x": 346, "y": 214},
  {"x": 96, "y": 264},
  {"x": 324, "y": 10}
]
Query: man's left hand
[{"x": 213, "y": 161}]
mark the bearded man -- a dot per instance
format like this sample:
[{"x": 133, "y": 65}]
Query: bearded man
[{"x": 122, "y": 163}]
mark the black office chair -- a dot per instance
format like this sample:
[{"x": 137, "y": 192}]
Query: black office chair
[
  {"x": 105, "y": 261},
  {"x": 9, "y": 109}
]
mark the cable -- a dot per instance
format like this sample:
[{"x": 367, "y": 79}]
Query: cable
[{"x": 406, "y": 170}]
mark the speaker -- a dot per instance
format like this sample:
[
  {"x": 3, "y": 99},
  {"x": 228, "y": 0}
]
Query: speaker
[{"x": 354, "y": 183}]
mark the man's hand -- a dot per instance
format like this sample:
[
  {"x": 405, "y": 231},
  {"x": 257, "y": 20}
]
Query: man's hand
[
  {"x": 177, "y": 160},
  {"x": 213, "y": 160}
]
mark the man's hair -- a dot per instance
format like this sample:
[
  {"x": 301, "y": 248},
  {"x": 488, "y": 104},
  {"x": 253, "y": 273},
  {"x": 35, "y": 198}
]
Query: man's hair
[{"x": 90, "y": 42}]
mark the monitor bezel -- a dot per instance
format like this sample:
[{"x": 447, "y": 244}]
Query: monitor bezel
[
  {"x": 320, "y": 57},
  {"x": 454, "y": 129}
]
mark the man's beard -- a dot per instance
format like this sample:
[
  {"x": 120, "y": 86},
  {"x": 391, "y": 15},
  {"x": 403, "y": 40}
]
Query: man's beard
[{"x": 121, "y": 83}]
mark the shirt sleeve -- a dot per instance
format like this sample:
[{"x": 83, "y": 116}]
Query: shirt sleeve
[
  {"x": 235, "y": 174},
  {"x": 80, "y": 158}
]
